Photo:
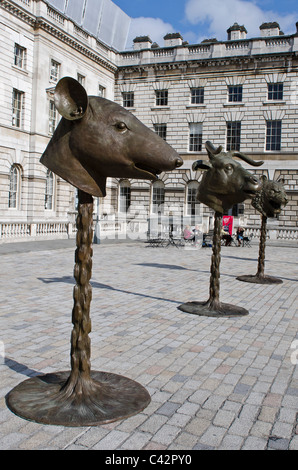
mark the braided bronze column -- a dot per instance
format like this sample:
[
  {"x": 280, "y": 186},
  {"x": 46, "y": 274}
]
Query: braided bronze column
[
  {"x": 261, "y": 259},
  {"x": 82, "y": 294},
  {"x": 213, "y": 300}
]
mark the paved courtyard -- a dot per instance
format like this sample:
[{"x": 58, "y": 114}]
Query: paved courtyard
[{"x": 215, "y": 383}]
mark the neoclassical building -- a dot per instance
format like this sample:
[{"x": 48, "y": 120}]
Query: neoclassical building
[{"x": 241, "y": 93}]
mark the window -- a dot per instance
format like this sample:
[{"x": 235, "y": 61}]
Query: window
[
  {"x": 128, "y": 99},
  {"x": 161, "y": 97},
  {"x": 197, "y": 95},
  {"x": 273, "y": 135},
  {"x": 195, "y": 137},
  {"x": 55, "y": 71},
  {"x": 125, "y": 196},
  {"x": 275, "y": 91},
  {"x": 101, "y": 91},
  {"x": 161, "y": 130},
  {"x": 191, "y": 198},
  {"x": 17, "y": 107},
  {"x": 158, "y": 197},
  {"x": 19, "y": 56},
  {"x": 81, "y": 79},
  {"x": 233, "y": 135},
  {"x": 235, "y": 93},
  {"x": 236, "y": 210},
  {"x": 14, "y": 186},
  {"x": 48, "y": 200},
  {"x": 52, "y": 117}
]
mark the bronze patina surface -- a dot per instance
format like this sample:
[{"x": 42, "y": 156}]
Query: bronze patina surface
[
  {"x": 269, "y": 201},
  {"x": 225, "y": 183},
  {"x": 95, "y": 139}
]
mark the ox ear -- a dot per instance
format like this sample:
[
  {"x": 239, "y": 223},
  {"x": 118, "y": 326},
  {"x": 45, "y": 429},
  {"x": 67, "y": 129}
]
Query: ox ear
[
  {"x": 281, "y": 180},
  {"x": 71, "y": 99},
  {"x": 201, "y": 164}
]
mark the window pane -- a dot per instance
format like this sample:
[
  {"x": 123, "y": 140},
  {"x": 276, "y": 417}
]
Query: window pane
[
  {"x": 54, "y": 73},
  {"x": 52, "y": 117},
  {"x": 161, "y": 97},
  {"x": 161, "y": 130},
  {"x": 192, "y": 202},
  {"x": 158, "y": 198},
  {"x": 124, "y": 197},
  {"x": 235, "y": 93},
  {"x": 197, "y": 95},
  {"x": 17, "y": 102},
  {"x": 49, "y": 191},
  {"x": 275, "y": 91},
  {"x": 233, "y": 135},
  {"x": 195, "y": 137},
  {"x": 13, "y": 187},
  {"x": 128, "y": 100},
  {"x": 19, "y": 56},
  {"x": 273, "y": 136}
]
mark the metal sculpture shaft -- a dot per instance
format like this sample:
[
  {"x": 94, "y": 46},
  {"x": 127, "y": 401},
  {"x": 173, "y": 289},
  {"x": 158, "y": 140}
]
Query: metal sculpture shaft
[
  {"x": 82, "y": 295},
  {"x": 260, "y": 277},
  {"x": 215, "y": 263},
  {"x": 262, "y": 244},
  {"x": 81, "y": 397},
  {"x": 213, "y": 307}
]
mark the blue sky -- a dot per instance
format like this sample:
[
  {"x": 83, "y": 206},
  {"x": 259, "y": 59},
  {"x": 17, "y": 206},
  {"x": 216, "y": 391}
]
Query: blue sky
[{"x": 200, "y": 19}]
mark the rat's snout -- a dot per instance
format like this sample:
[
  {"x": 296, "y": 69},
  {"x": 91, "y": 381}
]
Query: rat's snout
[{"x": 178, "y": 162}]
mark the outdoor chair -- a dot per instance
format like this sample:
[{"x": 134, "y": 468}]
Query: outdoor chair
[{"x": 246, "y": 241}]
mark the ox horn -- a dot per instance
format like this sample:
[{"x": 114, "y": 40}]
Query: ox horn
[
  {"x": 247, "y": 159},
  {"x": 210, "y": 148},
  {"x": 71, "y": 99}
]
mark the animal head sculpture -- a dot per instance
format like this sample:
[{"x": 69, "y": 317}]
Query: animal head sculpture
[
  {"x": 97, "y": 138},
  {"x": 225, "y": 182},
  {"x": 271, "y": 198}
]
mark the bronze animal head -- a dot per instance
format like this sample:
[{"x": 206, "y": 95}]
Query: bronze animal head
[
  {"x": 225, "y": 182},
  {"x": 97, "y": 138},
  {"x": 271, "y": 198}
]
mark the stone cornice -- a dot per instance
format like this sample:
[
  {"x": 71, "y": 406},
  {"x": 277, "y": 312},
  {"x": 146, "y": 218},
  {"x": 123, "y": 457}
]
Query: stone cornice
[
  {"x": 41, "y": 23},
  {"x": 253, "y": 62}
]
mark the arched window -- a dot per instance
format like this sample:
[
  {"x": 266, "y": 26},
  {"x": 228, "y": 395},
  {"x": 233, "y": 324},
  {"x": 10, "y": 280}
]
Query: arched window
[
  {"x": 49, "y": 192},
  {"x": 158, "y": 197},
  {"x": 192, "y": 204},
  {"x": 124, "y": 196},
  {"x": 14, "y": 187}
]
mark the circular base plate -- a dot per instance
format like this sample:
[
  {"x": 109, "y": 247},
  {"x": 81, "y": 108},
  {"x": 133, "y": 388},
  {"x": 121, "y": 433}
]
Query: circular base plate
[
  {"x": 204, "y": 309},
  {"x": 41, "y": 399},
  {"x": 254, "y": 279}
]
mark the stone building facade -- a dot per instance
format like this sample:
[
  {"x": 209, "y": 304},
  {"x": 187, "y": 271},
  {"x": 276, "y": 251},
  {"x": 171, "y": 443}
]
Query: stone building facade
[{"x": 240, "y": 93}]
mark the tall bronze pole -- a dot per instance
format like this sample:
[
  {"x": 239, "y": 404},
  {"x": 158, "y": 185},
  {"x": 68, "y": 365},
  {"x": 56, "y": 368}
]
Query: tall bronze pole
[{"x": 81, "y": 397}]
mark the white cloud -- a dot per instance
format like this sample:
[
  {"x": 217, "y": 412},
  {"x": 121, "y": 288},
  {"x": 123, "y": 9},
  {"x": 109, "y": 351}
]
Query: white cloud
[
  {"x": 219, "y": 15},
  {"x": 155, "y": 28}
]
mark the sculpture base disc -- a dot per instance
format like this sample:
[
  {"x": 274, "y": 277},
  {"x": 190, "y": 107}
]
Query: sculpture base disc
[
  {"x": 40, "y": 399},
  {"x": 259, "y": 280},
  {"x": 204, "y": 309}
]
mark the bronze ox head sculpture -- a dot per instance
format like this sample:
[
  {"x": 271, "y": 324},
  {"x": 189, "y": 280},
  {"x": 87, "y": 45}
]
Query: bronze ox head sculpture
[
  {"x": 271, "y": 198},
  {"x": 225, "y": 182},
  {"x": 97, "y": 138}
]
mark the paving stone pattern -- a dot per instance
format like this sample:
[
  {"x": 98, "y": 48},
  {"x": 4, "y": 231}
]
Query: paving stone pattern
[{"x": 215, "y": 383}]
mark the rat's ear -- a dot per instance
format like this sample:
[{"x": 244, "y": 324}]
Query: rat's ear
[{"x": 71, "y": 99}]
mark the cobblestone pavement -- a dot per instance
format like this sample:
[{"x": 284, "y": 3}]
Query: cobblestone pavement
[{"x": 215, "y": 383}]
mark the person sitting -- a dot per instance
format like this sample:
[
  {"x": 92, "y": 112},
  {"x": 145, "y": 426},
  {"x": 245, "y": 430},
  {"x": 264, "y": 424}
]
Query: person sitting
[
  {"x": 225, "y": 235},
  {"x": 239, "y": 234},
  {"x": 187, "y": 234}
]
